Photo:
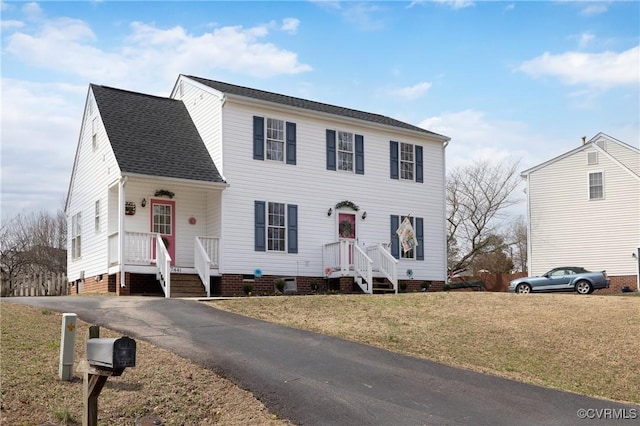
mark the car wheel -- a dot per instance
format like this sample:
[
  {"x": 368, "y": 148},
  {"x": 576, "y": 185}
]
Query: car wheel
[
  {"x": 583, "y": 287},
  {"x": 523, "y": 288}
]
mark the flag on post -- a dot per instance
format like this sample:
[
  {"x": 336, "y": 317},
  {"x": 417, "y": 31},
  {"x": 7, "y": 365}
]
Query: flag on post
[{"x": 407, "y": 235}]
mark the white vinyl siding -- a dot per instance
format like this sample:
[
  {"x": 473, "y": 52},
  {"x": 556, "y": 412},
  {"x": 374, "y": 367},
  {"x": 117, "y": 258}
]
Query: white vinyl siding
[
  {"x": 567, "y": 228},
  {"x": 292, "y": 186}
]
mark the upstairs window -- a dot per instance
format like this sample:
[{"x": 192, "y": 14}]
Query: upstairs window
[
  {"x": 274, "y": 140},
  {"x": 76, "y": 236},
  {"x": 596, "y": 186},
  {"x": 94, "y": 133},
  {"x": 345, "y": 151},
  {"x": 406, "y": 161}
]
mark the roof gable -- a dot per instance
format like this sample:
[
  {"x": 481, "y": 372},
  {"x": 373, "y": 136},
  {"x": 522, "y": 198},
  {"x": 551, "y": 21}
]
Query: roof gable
[
  {"x": 153, "y": 136},
  {"x": 594, "y": 143},
  {"x": 291, "y": 101}
]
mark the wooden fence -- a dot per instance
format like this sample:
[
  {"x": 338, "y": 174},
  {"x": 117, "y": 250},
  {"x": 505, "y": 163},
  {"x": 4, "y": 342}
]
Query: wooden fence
[{"x": 46, "y": 284}]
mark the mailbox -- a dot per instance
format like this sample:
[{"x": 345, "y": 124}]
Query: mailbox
[{"x": 112, "y": 354}]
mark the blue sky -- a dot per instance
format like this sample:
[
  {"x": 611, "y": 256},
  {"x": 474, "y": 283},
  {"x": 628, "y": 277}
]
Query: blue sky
[{"x": 505, "y": 80}]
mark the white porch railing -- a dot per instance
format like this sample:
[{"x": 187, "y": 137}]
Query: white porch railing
[
  {"x": 163, "y": 263},
  {"x": 138, "y": 248},
  {"x": 384, "y": 263},
  {"x": 363, "y": 267},
  {"x": 346, "y": 258},
  {"x": 205, "y": 257}
]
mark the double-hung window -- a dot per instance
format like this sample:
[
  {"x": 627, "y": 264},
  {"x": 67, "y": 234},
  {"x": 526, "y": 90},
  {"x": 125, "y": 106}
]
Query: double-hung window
[
  {"x": 416, "y": 252},
  {"x": 596, "y": 186},
  {"x": 345, "y": 151},
  {"x": 275, "y": 227},
  {"x": 275, "y": 139},
  {"x": 97, "y": 216},
  {"x": 407, "y": 161},
  {"x": 76, "y": 236}
]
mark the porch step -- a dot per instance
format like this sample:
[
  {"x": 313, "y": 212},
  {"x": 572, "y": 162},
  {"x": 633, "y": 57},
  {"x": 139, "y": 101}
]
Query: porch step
[
  {"x": 187, "y": 285},
  {"x": 382, "y": 286}
]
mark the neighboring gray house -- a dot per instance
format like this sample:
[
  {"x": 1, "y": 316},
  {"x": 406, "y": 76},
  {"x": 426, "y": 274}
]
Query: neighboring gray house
[
  {"x": 584, "y": 210},
  {"x": 223, "y": 186}
]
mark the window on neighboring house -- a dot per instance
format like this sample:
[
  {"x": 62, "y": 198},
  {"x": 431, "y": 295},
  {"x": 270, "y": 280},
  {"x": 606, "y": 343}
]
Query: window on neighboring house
[
  {"x": 345, "y": 151},
  {"x": 592, "y": 157},
  {"x": 97, "y": 216},
  {"x": 276, "y": 227},
  {"x": 94, "y": 133},
  {"x": 417, "y": 252},
  {"x": 406, "y": 161},
  {"x": 76, "y": 237},
  {"x": 596, "y": 186},
  {"x": 274, "y": 140}
]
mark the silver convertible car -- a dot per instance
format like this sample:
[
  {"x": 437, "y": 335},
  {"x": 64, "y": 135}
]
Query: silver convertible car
[{"x": 565, "y": 278}]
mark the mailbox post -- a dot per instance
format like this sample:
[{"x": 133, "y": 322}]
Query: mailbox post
[{"x": 105, "y": 358}]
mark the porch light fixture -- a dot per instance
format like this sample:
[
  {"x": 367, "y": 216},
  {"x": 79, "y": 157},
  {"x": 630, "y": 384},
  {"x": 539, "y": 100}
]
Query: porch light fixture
[
  {"x": 364, "y": 215},
  {"x": 330, "y": 211},
  {"x": 143, "y": 203}
]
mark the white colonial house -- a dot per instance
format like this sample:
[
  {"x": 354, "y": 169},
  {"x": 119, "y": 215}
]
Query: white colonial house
[
  {"x": 584, "y": 210},
  {"x": 230, "y": 188}
]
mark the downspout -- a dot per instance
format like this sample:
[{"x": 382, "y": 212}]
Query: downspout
[
  {"x": 121, "y": 209},
  {"x": 444, "y": 180},
  {"x": 529, "y": 225}
]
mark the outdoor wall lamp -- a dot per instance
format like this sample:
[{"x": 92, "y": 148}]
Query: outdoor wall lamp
[
  {"x": 330, "y": 211},
  {"x": 143, "y": 203},
  {"x": 364, "y": 215}
]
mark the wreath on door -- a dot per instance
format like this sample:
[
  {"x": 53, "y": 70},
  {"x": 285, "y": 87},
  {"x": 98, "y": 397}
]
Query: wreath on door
[{"x": 345, "y": 228}]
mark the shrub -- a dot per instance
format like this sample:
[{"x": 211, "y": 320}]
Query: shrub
[{"x": 280, "y": 285}]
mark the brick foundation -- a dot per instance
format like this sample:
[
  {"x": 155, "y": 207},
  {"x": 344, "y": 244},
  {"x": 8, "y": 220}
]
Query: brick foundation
[{"x": 618, "y": 282}]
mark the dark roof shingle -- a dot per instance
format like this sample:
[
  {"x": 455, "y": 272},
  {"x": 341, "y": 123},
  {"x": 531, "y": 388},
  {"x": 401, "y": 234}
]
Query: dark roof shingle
[
  {"x": 153, "y": 136},
  {"x": 306, "y": 104}
]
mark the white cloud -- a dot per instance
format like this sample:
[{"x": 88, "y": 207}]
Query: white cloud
[
  {"x": 601, "y": 70},
  {"x": 33, "y": 11},
  {"x": 152, "y": 53},
  {"x": 40, "y": 125},
  {"x": 290, "y": 25},
  {"x": 456, "y": 4},
  {"x": 411, "y": 92},
  {"x": 594, "y": 9},
  {"x": 10, "y": 25},
  {"x": 585, "y": 39}
]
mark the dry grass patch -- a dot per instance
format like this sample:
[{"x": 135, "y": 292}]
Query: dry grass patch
[
  {"x": 588, "y": 345},
  {"x": 174, "y": 389}
]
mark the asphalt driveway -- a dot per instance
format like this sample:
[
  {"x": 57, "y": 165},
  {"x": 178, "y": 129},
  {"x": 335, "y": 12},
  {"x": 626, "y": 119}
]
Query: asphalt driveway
[{"x": 313, "y": 379}]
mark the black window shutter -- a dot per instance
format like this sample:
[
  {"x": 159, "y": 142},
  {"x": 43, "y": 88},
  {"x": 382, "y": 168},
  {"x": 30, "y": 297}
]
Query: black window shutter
[
  {"x": 258, "y": 138},
  {"x": 393, "y": 156},
  {"x": 395, "y": 241},
  {"x": 331, "y": 149},
  {"x": 359, "y": 154},
  {"x": 260, "y": 226},
  {"x": 291, "y": 143},
  {"x": 292, "y": 228},
  {"x": 419, "y": 171},
  {"x": 420, "y": 237}
]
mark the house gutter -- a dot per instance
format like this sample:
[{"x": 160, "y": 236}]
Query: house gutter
[{"x": 444, "y": 197}]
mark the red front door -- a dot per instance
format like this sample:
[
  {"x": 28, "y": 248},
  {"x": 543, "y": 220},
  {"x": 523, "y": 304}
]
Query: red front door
[
  {"x": 347, "y": 230},
  {"x": 163, "y": 222}
]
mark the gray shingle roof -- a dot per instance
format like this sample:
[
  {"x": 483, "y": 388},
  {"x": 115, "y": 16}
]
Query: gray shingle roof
[
  {"x": 153, "y": 136},
  {"x": 306, "y": 104}
]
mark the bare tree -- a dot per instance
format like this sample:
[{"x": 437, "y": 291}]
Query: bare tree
[
  {"x": 517, "y": 241},
  {"x": 494, "y": 258},
  {"x": 33, "y": 243},
  {"x": 477, "y": 196}
]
